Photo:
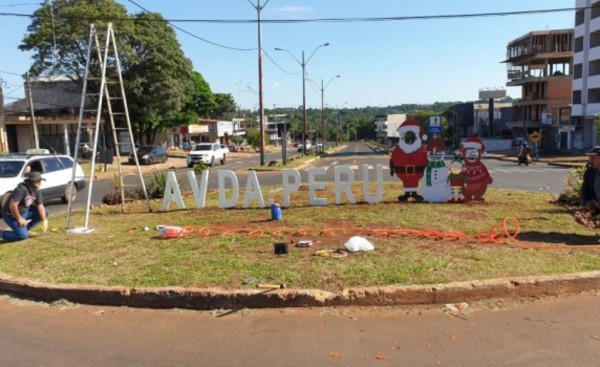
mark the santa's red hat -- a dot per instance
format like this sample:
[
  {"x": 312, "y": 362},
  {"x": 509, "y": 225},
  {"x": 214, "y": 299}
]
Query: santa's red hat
[
  {"x": 474, "y": 142},
  {"x": 415, "y": 127}
]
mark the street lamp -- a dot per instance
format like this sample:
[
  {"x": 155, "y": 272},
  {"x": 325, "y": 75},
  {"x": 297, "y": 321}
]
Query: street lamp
[
  {"x": 323, "y": 107},
  {"x": 303, "y": 65}
]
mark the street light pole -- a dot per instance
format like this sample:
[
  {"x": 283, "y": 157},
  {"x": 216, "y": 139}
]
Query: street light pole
[
  {"x": 323, "y": 107},
  {"x": 303, "y": 64}
]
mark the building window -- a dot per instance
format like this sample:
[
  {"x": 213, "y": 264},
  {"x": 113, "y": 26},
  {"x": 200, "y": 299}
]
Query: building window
[
  {"x": 594, "y": 39},
  {"x": 576, "y": 97},
  {"x": 579, "y": 44},
  {"x": 594, "y": 95},
  {"x": 578, "y": 71},
  {"x": 595, "y": 67},
  {"x": 579, "y": 17},
  {"x": 595, "y": 11}
]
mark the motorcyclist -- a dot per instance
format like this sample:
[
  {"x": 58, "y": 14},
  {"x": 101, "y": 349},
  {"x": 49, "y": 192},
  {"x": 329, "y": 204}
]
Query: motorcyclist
[{"x": 525, "y": 153}]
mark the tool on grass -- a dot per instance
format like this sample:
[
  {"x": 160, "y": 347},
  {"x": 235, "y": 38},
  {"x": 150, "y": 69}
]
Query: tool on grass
[{"x": 270, "y": 286}]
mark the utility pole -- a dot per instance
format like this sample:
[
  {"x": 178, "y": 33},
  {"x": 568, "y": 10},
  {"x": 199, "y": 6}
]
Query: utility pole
[
  {"x": 261, "y": 110},
  {"x": 36, "y": 140},
  {"x": 303, "y": 65},
  {"x": 3, "y": 145}
]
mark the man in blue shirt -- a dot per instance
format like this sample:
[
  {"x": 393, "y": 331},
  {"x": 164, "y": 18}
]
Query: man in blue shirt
[{"x": 24, "y": 209}]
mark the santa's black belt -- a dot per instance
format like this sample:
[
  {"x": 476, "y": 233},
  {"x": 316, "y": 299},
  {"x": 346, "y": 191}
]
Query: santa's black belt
[{"x": 409, "y": 170}]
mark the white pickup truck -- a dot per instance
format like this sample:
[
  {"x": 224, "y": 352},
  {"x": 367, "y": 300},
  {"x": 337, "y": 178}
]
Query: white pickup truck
[{"x": 208, "y": 153}]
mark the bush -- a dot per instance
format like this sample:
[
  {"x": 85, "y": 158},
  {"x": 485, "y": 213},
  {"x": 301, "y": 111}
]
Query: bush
[
  {"x": 572, "y": 193},
  {"x": 157, "y": 184},
  {"x": 200, "y": 167}
]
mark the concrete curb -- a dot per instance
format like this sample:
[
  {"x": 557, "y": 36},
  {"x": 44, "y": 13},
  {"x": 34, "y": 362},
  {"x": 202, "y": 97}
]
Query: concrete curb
[{"x": 207, "y": 299}]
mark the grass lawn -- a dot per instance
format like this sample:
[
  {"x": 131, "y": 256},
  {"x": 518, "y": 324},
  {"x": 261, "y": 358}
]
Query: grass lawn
[{"x": 228, "y": 248}]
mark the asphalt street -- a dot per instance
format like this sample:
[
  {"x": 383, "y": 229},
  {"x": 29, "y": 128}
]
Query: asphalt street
[{"x": 563, "y": 331}]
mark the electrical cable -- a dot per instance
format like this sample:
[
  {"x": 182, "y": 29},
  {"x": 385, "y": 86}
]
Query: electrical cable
[
  {"x": 331, "y": 20},
  {"x": 499, "y": 234},
  {"x": 193, "y": 35}
]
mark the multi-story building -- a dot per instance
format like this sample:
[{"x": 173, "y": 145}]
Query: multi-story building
[
  {"x": 386, "y": 128},
  {"x": 541, "y": 63},
  {"x": 473, "y": 119},
  {"x": 586, "y": 72}
]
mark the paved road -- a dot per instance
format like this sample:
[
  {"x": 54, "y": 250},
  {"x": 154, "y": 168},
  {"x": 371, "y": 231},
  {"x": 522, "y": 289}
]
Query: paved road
[{"x": 551, "y": 332}]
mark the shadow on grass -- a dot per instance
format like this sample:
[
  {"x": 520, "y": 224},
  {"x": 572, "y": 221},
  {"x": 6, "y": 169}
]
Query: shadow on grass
[{"x": 559, "y": 238}]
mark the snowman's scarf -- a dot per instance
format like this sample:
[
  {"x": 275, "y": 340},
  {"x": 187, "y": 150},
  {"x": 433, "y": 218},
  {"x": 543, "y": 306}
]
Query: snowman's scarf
[{"x": 430, "y": 166}]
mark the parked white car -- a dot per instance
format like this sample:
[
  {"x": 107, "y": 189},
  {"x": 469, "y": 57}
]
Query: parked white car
[
  {"x": 208, "y": 153},
  {"x": 56, "y": 169}
]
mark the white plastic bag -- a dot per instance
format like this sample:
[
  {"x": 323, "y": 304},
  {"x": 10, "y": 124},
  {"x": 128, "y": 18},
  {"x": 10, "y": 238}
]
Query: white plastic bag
[{"x": 358, "y": 243}]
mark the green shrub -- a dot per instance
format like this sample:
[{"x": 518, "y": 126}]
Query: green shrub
[
  {"x": 156, "y": 184},
  {"x": 573, "y": 182},
  {"x": 200, "y": 167}
]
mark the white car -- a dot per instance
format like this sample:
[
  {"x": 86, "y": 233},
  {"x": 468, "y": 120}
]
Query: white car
[
  {"x": 208, "y": 153},
  {"x": 56, "y": 169}
]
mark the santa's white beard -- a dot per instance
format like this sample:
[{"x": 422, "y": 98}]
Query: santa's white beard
[{"x": 410, "y": 148}]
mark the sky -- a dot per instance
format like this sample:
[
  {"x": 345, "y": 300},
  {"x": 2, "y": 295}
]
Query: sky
[{"x": 380, "y": 63}]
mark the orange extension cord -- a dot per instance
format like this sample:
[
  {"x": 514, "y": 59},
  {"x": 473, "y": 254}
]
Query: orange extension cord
[{"x": 498, "y": 235}]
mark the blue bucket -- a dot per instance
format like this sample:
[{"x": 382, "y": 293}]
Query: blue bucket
[{"x": 276, "y": 213}]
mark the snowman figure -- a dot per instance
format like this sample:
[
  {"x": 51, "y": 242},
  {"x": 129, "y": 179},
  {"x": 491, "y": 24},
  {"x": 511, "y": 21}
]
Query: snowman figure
[{"x": 435, "y": 186}]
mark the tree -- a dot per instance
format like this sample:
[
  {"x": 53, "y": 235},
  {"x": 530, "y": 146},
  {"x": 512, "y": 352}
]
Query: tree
[
  {"x": 71, "y": 29},
  {"x": 156, "y": 74},
  {"x": 225, "y": 105},
  {"x": 201, "y": 100}
]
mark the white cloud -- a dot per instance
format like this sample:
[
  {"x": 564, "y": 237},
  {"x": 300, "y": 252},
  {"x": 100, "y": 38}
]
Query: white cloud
[{"x": 274, "y": 86}]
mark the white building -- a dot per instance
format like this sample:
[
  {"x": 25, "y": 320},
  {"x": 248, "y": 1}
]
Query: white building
[
  {"x": 586, "y": 71},
  {"x": 386, "y": 128}
]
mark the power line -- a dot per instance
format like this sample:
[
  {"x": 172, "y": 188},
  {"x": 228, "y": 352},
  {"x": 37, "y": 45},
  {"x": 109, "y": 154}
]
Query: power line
[
  {"x": 327, "y": 20},
  {"x": 10, "y": 73},
  {"x": 193, "y": 35},
  {"x": 279, "y": 67},
  {"x": 14, "y": 5}
]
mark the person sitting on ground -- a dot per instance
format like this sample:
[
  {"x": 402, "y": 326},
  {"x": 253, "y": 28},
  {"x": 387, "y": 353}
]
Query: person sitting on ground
[
  {"x": 590, "y": 188},
  {"x": 24, "y": 209}
]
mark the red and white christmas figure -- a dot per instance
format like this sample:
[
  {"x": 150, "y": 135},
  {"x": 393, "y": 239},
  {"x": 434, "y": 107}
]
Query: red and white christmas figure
[
  {"x": 434, "y": 186},
  {"x": 456, "y": 179},
  {"x": 477, "y": 177},
  {"x": 409, "y": 158}
]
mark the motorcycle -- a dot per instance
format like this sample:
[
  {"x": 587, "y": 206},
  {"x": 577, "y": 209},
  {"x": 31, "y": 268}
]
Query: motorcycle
[{"x": 524, "y": 157}]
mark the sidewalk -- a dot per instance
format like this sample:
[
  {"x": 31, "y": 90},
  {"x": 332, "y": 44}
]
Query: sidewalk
[{"x": 551, "y": 158}]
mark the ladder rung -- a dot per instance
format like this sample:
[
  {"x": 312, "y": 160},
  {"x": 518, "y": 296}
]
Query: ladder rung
[
  {"x": 92, "y": 94},
  {"x": 118, "y": 113},
  {"x": 88, "y": 111},
  {"x": 115, "y": 98}
]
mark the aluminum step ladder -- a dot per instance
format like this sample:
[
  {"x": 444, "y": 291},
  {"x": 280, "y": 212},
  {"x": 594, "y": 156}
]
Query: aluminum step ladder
[{"x": 103, "y": 59}]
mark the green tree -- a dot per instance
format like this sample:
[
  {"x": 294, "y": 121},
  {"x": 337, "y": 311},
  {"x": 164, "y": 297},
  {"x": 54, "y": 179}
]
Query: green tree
[
  {"x": 159, "y": 76},
  {"x": 71, "y": 29},
  {"x": 225, "y": 106},
  {"x": 156, "y": 74},
  {"x": 201, "y": 100}
]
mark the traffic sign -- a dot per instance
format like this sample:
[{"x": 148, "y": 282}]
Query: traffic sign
[
  {"x": 535, "y": 137},
  {"x": 435, "y": 124}
]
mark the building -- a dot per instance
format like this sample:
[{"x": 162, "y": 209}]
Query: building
[
  {"x": 56, "y": 102},
  {"x": 586, "y": 73},
  {"x": 386, "y": 128},
  {"x": 541, "y": 63},
  {"x": 473, "y": 119}
]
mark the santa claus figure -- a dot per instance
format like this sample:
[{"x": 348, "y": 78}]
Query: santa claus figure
[
  {"x": 409, "y": 158},
  {"x": 477, "y": 177},
  {"x": 435, "y": 187}
]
